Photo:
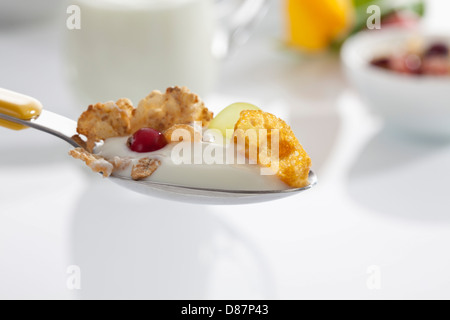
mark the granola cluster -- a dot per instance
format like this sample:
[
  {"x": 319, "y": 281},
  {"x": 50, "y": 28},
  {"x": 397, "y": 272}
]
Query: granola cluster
[
  {"x": 178, "y": 106},
  {"x": 162, "y": 111},
  {"x": 144, "y": 168},
  {"x": 105, "y": 120},
  {"x": 96, "y": 163}
]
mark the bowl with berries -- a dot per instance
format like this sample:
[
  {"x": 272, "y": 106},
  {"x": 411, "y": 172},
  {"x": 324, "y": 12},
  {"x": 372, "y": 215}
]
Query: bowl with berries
[{"x": 404, "y": 77}]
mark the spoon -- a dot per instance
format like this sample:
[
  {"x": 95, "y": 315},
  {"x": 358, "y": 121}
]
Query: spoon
[{"x": 19, "y": 112}]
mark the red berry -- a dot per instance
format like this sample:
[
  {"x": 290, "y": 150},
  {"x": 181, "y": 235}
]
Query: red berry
[
  {"x": 383, "y": 63},
  {"x": 147, "y": 140},
  {"x": 437, "y": 49}
]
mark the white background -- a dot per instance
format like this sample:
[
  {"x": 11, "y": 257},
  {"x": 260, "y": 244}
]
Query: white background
[{"x": 383, "y": 199}]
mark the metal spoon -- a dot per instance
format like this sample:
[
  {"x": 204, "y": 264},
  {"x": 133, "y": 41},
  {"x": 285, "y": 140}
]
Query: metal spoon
[{"x": 65, "y": 129}]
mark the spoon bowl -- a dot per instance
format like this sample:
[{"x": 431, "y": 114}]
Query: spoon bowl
[
  {"x": 209, "y": 196},
  {"x": 13, "y": 114}
]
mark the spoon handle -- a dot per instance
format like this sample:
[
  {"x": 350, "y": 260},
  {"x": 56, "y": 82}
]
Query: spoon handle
[{"x": 18, "y": 112}]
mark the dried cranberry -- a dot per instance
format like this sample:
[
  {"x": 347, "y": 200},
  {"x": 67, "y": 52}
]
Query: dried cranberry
[
  {"x": 147, "y": 140},
  {"x": 438, "y": 49},
  {"x": 381, "y": 63}
]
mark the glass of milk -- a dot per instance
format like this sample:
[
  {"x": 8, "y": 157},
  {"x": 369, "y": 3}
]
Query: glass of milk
[{"x": 127, "y": 48}]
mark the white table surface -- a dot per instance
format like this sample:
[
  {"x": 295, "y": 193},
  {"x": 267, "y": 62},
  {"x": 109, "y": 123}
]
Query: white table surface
[{"x": 383, "y": 199}]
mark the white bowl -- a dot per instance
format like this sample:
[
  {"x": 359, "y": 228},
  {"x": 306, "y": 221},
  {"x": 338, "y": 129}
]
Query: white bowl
[{"x": 419, "y": 104}]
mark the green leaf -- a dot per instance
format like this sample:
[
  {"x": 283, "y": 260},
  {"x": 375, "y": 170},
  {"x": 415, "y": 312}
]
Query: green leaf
[{"x": 387, "y": 8}]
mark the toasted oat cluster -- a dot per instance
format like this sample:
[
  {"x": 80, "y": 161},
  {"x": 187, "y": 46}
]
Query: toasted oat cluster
[
  {"x": 293, "y": 162},
  {"x": 105, "y": 120},
  {"x": 96, "y": 163},
  {"x": 162, "y": 111},
  {"x": 182, "y": 132},
  {"x": 178, "y": 106},
  {"x": 144, "y": 168}
]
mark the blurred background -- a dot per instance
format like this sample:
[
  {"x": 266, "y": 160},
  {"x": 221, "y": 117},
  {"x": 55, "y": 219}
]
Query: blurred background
[{"x": 376, "y": 227}]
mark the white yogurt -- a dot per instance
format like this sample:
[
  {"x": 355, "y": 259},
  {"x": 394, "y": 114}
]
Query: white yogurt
[{"x": 215, "y": 176}]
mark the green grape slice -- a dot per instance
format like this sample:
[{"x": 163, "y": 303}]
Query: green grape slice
[{"x": 227, "y": 118}]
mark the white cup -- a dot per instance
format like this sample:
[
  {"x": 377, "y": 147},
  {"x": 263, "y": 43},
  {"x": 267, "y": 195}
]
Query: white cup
[{"x": 127, "y": 48}]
